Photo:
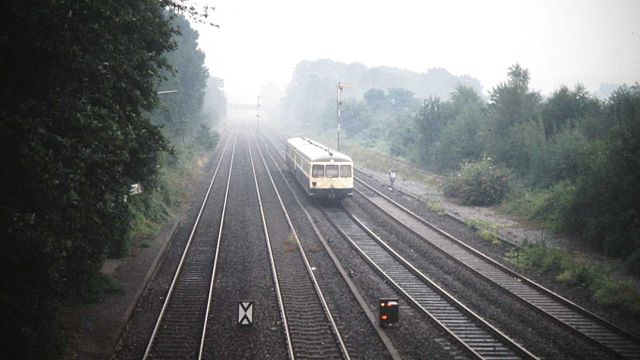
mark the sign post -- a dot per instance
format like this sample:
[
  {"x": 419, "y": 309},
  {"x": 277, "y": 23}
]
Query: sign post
[
  {"x": 339, "y": 90},
  {"x": 245, "y": 313}
]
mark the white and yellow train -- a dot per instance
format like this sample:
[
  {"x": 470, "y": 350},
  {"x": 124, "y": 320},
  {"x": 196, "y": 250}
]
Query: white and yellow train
[{"x": 322, "y": 172}]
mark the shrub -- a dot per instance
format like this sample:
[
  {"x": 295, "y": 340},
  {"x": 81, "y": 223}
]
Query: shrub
[
  {"x": 479, "y": 183},
  {"x": 554, "y": 204},
  {"x": 546, "y": 207}
]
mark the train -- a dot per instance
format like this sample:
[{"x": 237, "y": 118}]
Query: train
[{"x": 322, "y": 172}]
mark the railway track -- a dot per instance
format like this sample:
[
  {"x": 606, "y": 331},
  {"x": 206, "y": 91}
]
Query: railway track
[
  {"x": 373, "y": 320},
  {"x": 180, "y": 326},
  {"x": 479, "y": 337},
  {"x": 564, "y": 312},
  {"x": 309, "y": 326},
  {"x": 585, "y": 324}
]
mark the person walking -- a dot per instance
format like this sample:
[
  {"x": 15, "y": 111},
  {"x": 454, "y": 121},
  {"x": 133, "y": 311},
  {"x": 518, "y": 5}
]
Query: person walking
[{"x": 392, "y": 179}]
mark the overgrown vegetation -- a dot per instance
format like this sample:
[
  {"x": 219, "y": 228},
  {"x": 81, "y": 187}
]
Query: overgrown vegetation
[
  {"x": 478, "y": 183},
  {"x": 149, "y": 211},
  {"x": 78, "y": 89},
  {"x": 576, "y": 271}
]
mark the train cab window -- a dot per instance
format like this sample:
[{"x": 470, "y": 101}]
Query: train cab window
[
  {"x": 345, "y": 171},
  {"x": 332, "y": 171},
  {"x": 317, "y": 171}
]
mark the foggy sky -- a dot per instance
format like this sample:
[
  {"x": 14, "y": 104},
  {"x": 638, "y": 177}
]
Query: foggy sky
[{"x": 560, "y": 42}]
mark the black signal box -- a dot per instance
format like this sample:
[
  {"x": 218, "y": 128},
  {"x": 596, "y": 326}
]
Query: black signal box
[{"x": 388, "y": 311}]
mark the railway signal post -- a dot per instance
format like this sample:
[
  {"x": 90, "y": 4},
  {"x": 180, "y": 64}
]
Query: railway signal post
[
  {"x": 339, "y": 90},
  {"x": 388, "y": 311},
  {"x": 258, "y": 115}
]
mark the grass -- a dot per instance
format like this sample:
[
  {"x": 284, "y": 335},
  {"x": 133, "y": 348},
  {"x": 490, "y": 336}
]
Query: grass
[
  {"x": 150, "y": 209},
  {"x": 435, "y": 206},
  {"x": 489, "y": 236},
  {"x": 482, "y": 224},
  {"x": 98, "y": 288},
  {"x": 380, "y": 162},
  {"x": 577, "y": 271},
  {"x": 486, "y": 230}
]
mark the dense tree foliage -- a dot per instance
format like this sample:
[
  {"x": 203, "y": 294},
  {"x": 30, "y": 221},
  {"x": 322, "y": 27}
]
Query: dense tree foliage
[
  {"x": 179, "y": 112},
  {"x": 432, "y": 118},
  {"x": 512, "y": 108},
  {"x": 77, "y": 82},
  {"x": 566, "y": 107},
  {"x": 461, "y": 139},
  {"x": 215, "y": 102},
  {"x": 606, "y": 204}
]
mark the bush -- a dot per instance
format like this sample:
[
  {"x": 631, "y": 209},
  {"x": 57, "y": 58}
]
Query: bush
[
  {"x": 479, "y": 183},
  {"x": 554, "y": 205},
  {"x": 547, "y": 207}
]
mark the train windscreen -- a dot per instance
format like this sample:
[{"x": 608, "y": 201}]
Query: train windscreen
[
  {"x": 317, "y": 171},
  {"x": 332, "y": 171},
  {"x": 345, "y": 171}
]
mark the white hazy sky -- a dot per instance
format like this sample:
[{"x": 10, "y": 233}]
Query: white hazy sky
[{"x": 559, "y": 41}]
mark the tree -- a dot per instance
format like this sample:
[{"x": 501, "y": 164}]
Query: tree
[
  {"x": 215, "y": 101},
  {"x": 566, "y": 107},
  {"x": 460, "y": 139},
  {"x": 375, "y": 99},
  {"x": 77, "y": 81},
  {"x": 402, "y": 137},
  {"x": 606, "y": 209},
  {"x": 511, "y": 104},
  {"x": 401, "y": 100},
  {"x": 431, "y": 119},
  {"x": 179, "y": 114}
]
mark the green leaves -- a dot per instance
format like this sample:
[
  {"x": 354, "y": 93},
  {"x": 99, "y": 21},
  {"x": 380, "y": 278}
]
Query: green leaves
[
  {"x": 479, "y": 183},
  {"x": 76, "y": 81}
]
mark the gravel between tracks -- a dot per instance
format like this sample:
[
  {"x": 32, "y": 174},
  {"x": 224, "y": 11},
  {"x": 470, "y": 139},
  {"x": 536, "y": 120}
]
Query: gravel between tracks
[
  {"x": 244, "y": 273},
  {"x": 356, "y": 330}
]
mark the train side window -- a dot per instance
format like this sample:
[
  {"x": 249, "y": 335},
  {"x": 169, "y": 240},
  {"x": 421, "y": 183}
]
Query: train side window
[
  {"x": 317, "y": 171},
  {"x": 345, "y": 171},
  {"x": 332, "y": 171}
]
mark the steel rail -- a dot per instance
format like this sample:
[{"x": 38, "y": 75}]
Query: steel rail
[
  {"x": 215, "y": 259},
  {"x": 170, "y": 291},
  {"x": 563, "y": 311},
  {"x": 470, "y": 330},
  {"x": 316, "y": 286},
  {"x": 393, "y": 352},
  {"x": 274, "y": 271}
]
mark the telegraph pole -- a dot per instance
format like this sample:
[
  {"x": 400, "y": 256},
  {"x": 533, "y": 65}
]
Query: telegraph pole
[
  {"x": 258, "y": 115},
  {"x": 339, "y": 90}
]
